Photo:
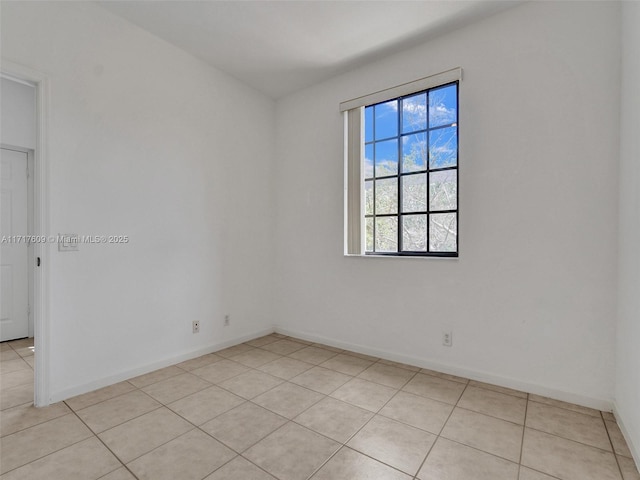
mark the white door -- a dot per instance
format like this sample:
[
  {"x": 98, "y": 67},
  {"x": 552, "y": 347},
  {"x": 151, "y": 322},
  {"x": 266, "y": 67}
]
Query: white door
[{"x": 14, "y": 301}]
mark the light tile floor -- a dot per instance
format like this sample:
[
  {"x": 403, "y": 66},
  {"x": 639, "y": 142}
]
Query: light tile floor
[{"x": 281, "y": 408}]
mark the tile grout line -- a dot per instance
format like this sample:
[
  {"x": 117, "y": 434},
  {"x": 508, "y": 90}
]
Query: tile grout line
[
  {"x": 238, "y": 454},
  {"x": 524, "y": 425},
  {"x": 599, "y": 412},
  {"x": 160, "y": 405},
  {"x": 570, "y": 439},
  {"x": 288, "y": 419},
  {"x": 464, "y": 444},
  {"x": 35, "y": 424},
  {"x": 490, "y": 416},
  {"x": 105, "y": 445},
  {"x": 613, "y": 448},
  {"x": 344, "y": 445},
  {"x": 438, "y": 436},
  {"x": 92, "y": 435},
  {"x": 101, "y": 401},
  {"x": 315, "y": 403}
]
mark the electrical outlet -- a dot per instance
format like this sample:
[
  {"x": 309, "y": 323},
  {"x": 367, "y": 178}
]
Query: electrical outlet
[
  {"x": 196, "y": 326},
  {"x": 227, "y": 320},
  {"x": 447, "y": 339}
]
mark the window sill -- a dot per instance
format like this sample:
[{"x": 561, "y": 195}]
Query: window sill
[{"x": 405, "y": 257}]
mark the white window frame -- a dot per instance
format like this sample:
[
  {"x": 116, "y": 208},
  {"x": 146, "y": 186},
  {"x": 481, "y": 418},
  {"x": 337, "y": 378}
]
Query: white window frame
[{"x": 353, "y": 114}]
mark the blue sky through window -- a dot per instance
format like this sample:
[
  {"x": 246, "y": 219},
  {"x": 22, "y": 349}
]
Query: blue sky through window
[
  {"x": 412, "y": 142},
  {"x": 386, "y": 157},
  {"x": 443, "y": 106},
  {"x": 386, "y": 124},
  {"x": 414, "y": 113}
]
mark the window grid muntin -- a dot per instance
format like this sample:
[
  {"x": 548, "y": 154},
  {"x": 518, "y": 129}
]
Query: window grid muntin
[{"x": 427, "y": 170}]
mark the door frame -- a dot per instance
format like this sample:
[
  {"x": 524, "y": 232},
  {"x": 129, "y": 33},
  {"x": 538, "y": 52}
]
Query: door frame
[{"x": 42, "y": 250}]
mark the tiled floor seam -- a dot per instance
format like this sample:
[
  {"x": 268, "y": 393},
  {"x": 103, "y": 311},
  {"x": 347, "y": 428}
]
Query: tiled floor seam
[
  {"x": 415, "y": 477},
  {"x": 30, "y": 402},
  {"x": 463, "y": 444},
  {"x": 480, "y": 450},
  {"x": 107, "y": 446},
  {"x": 384, "y": 385},
  {"x": 101, "y": 401},
  {"x": 344, "y": 445},
  {"x": 526, "y": 410},
  {"x": 121, "y": 423},
  {"x": 460, "y": 443},
  {"x": 261, "y": 393},
  {"x": 365, "y": 455},
  {"x": 543, "y": 473},
  {"x": 565, "y": 408},
  {"x": 571, "y": 439},
  {"x": 613, "y": 448},
  {"x": 492, "y": 416},
  {"x": 157, "y": 381},
  {"x": 244, "y": 458},
  {"x": 51, "y": 453},
  {"x": 245, "y": 401},
  {"x": 36, "y": 424},
  {"x": 326, "y": 461}
]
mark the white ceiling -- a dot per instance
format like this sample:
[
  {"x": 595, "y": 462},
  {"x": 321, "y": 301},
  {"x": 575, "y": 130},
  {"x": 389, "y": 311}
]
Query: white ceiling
[{"x": 279, "y": 47}]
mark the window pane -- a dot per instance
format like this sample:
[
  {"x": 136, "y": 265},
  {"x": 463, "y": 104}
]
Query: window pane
[
  {"x": 368, "y": 222},
  {"x": 386, "y": 196},
  {"x": 443, "y": 190},
  {"x": 443, "y": 106},
  {"x": 443, "y": 232},
  {"x": 414, "y": 193},
  {"x": 386, "y": 158},
  {"x": 386, "y": 120},
  {"x": 368, "y": 161},
  {"x": 443, "y": 147},
  {"x": 368, "y": 124},
  {"x": 414, "y": 113},
  {"x": 414, "y": 152},
  {"x": 368, "y": 198},
  {"x": 414, "y": 233},
  {"x": 387, "y": 234}
]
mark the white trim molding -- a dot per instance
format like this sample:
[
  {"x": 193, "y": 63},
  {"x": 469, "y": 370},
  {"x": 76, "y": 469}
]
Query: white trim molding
[
  {"x": 40, "y": 81},
  {"x": 453, "y": 75}
]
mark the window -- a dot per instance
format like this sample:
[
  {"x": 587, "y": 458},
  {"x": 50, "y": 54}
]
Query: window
[{"x": 401, "y": 177}]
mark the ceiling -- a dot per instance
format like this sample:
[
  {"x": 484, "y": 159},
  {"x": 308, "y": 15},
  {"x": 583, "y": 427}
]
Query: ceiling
[{"x": 279, "y": 47}]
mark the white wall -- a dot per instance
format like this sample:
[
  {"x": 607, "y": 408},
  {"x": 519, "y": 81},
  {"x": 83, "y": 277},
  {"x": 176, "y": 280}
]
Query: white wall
[
  {"x": 532, "y": 298},
  {"x": 18, "y": 107},
  {"x": 149, "y": 142},
  {"x": 628, "y": 345}
]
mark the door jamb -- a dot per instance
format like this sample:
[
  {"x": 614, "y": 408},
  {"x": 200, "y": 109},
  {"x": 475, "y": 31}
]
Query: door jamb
[{"x": 42, "y": 250}]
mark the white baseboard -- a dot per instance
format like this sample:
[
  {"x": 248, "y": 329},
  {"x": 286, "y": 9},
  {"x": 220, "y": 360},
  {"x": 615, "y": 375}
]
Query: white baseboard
[
  {"x": 586, "y": 401},
  {"x": 150, "y": 367},
  {"x": 591, "y": 402},
  {"x": 633, "y": 446}
]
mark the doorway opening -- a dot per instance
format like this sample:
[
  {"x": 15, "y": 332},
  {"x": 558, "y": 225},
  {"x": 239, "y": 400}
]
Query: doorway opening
[
  {"x": 25, "y": 251},
  {"x": 16, "y": 230}
]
